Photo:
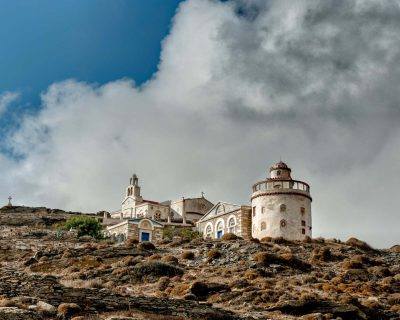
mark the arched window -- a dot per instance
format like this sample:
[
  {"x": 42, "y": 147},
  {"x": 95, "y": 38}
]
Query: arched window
[
  {"x": 220, "y": 229},
  {"x": 208, "y": 231},
  {"x": 231, "y": 225},
  {"x": 283, "y": 207},
  {"x": 263, "y": 225},
  {"x": 283, "y": 223},
  {"x": 302, "y": 210}
]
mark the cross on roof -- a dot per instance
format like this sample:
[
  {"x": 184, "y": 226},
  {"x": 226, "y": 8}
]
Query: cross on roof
[{"x": 9, "y": 201}]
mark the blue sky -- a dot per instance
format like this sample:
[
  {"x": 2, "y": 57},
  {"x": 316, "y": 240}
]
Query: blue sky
[{"x": 96, "y": 41}]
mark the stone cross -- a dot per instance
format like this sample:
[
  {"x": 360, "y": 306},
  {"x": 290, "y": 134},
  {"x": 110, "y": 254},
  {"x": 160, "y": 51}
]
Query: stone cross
[
  {"x": 9, "y": 201},
  {"x": 202, "y": 194}
]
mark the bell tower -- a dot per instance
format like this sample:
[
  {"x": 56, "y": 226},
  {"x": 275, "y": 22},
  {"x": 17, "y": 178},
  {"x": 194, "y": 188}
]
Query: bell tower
[
  {"x": 133, "y": 190},
  {"x": 132, "y": 198}
]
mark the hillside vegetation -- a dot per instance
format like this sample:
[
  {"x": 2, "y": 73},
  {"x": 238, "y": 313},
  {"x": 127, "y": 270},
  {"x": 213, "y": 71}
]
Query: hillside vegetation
[{"x": 50, "y": 273}]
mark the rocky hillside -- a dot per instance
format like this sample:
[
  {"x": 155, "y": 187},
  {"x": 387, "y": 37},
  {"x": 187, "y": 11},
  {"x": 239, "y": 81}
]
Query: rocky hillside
[{"x": 46, "y": 274}]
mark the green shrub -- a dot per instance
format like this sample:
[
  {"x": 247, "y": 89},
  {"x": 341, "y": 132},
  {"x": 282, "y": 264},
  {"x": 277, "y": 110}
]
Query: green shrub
[
  {"x": 85, "y": 226},
  {"x": 185, "y": 233},
  {"x": 188, "y": 234}
]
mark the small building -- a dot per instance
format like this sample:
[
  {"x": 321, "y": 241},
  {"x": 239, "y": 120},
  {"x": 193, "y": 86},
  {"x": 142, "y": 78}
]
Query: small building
[
  {"x": 226, "y": 218},
  {"x": 141, "y": 229}
]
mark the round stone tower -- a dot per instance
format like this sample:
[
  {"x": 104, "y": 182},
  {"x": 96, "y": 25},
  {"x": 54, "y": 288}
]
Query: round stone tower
[{"x": 281, "y": 206}]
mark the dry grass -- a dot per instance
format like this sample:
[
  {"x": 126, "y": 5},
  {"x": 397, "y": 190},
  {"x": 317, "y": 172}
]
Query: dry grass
[
  {"x": 170, "y": 259},
  {"x": 229, "y": 237},
  {"x": 188, "y": 255},
  {"x": 78, "y": 283},
  {"x": 213, "y": 254},
  {"x": 146, "y": 246},
  {"x": 354, "y": 242}
]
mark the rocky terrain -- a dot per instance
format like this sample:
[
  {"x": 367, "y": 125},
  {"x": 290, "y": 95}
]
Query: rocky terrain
[{"x": 48, "y": 274}]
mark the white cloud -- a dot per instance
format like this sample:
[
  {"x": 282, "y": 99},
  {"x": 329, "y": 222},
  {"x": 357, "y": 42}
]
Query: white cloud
[
  {"x": 5, "y": 99},
  {"x": 240, "y": 84}
]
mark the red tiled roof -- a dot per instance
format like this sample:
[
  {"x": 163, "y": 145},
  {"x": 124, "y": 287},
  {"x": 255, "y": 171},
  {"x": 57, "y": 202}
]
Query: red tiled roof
[{"x": 150, "y": 201}]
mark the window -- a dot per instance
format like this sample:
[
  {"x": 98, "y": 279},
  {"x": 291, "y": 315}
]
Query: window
[
  {"x": 157, "y": 215},
  {"x": 208, "y": 231},
  {"x": 303, "y": 231},
  {"x": 263, "y": 225},
  {"x": 283, "y": 207},
  {"x": 262, "y": 209},
  {"x": 231, "y": 225},
  {"x": 302, "y": 210},
  {"x": 303, "y": 223},
  {"x": 278, "y": 173},
  {"x": 283, "y": 223},
  {"x": 254, "y": 211},
  {"x": 220, "y": 229}
]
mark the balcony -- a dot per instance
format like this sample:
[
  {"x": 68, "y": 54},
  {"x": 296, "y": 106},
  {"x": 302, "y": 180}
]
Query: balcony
[{"x": 281, "y": 186}]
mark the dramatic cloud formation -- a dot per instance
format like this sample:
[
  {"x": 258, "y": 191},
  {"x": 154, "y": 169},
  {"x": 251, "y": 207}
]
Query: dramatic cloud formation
[{"x": 240, "y": 84}]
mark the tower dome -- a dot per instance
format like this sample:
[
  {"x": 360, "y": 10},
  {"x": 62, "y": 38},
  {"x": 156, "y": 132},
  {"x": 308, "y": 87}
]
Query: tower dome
[
  {"x": 280, "y": 170},
  {"x": 281, "y": 206}
]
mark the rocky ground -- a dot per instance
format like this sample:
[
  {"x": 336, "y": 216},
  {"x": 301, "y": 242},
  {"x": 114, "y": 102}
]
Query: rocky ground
[{"x": 45, "y": 274}]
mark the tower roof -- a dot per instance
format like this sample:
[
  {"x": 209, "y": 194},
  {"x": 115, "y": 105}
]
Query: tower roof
[{"x": 280, "y": 165}]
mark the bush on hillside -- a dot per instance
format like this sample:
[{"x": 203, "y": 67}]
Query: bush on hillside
[
  {"x": 131, "y": 242},
  {"x": 186, "y": 234},
  {"x": 213, "y": 254},
  {"x": 188, "y": 255},
  {"x": 170, "y": 259},
  {"x": 84, "y": 226},
  {"x": 354, "y": 242},
  {"x": 155, "y": 269},
  {"x": 264, "y": 259},
  {"x": 229, "y": 236},
  {"x": 145, "y": 246}
]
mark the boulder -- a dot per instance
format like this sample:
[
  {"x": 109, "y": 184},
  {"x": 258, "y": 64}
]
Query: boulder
[{"x": 46, "y": 308}]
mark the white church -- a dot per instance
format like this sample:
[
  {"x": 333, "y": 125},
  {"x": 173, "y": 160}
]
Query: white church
[
  {"x": 145, "y": 219},
  {"x": 279, "y": 206}
]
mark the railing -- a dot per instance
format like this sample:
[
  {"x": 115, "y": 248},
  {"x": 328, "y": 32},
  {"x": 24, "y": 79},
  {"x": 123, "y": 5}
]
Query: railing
[{"x": 281, "y": 184}]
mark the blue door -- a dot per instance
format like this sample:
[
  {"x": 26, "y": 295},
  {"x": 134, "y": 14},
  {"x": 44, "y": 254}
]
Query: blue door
[
  {"x": 145, "y": 236},
  {"x": 219, "y": 234}
]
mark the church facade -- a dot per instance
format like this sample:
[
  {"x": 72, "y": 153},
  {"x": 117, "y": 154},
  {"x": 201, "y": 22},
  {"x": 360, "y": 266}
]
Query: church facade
[
  {"x": 280, "y": 207},
  {"x": 144, "y": 219}
]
